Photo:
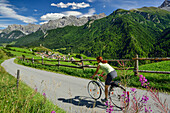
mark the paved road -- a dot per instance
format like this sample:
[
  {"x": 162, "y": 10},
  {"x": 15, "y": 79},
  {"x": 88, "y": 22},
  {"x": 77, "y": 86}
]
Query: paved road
[{"x": 68, "y": 92}]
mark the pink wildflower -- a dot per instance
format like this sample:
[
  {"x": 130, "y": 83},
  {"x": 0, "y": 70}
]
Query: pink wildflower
[{"x": 44, "y": 94}]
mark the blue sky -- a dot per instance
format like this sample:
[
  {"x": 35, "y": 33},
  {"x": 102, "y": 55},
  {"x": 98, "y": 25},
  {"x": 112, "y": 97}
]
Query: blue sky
[{"x": 41, "y": 11}]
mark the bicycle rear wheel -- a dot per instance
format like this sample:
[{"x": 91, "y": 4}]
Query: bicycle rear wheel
[
  {"x": 94, "y": 90},
  {"x": 119, "y": 97}
]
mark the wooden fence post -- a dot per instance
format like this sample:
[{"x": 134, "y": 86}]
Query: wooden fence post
[
  {"x": 32, "y": 59},
  {"x": 42, "y": 60},
  {"x": 136, "y": 66},
  {"x": 58, "y": 62},
  {"x": 17, "y": 78},
  {"x": 82, "y": 63}
]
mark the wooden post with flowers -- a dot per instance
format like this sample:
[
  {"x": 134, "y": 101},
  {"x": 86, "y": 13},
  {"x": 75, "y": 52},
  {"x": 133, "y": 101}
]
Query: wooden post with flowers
[{"x": 136, "y": 66}]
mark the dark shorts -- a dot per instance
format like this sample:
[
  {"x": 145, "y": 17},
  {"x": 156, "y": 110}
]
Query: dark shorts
[{"x": 110, "y": 77}]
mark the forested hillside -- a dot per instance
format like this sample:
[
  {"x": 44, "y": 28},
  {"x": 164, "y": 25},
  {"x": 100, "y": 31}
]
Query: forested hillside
[
  {"x": 31, "y": 38},
  {"x": 122, "y": 34},
  {"x": 162, "y": 48}
]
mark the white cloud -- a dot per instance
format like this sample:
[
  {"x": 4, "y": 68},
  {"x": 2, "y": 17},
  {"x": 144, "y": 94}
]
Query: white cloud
[
  {"x": 74, "y": 5},
  {"x": 3, "y": 25},
  {"x": 61, "y": 4},
  {"x": 35, "y": 10},
  {"x": 54, "y": 16},
  {"x": 7, "y": 12},
  {"x": 43, "y": 22},
  {"x": 74, "y": 13}
]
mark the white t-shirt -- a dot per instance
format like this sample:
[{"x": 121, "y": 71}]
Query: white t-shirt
[{"x": 106, "y": 67}]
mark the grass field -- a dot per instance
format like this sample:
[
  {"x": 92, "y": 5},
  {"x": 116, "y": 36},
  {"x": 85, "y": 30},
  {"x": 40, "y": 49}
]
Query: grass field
[
  {"x": 21, "y": 100},
  {"x": 159, "y": 81}
]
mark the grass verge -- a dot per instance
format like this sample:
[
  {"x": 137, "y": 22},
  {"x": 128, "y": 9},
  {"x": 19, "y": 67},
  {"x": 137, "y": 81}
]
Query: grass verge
[{"x": 21, "y": 100}]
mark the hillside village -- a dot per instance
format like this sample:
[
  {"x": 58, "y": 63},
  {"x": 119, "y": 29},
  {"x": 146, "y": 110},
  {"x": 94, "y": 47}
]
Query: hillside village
[{"x": 52, "y": 55}]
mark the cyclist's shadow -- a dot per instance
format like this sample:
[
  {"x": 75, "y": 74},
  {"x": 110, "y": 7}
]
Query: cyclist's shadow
[{"x": 85, "y": 101}]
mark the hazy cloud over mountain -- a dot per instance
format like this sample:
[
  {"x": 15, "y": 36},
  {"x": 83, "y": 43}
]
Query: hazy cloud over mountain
[{"x": 53, "y": 16}]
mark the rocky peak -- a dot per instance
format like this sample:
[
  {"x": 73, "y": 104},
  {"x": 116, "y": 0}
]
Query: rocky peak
[
  {"x": 95, "y": 17},
  {"x": 69, "y": 20},
  {"x": 26, "y": 29},
  {"x": 165, "y": 5}
]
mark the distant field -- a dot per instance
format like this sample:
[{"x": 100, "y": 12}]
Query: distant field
[
  {"x": 29, "y": 54},
  {"x": 21, "y": 49}
]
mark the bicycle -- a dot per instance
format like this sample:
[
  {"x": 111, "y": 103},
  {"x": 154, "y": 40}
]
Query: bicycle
[{"x": 117, "y": 93}]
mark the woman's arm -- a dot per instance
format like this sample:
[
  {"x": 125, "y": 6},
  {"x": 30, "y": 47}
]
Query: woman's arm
[
  {"x": 104, "y": 77},
  {"x": 98, "y": 67}
]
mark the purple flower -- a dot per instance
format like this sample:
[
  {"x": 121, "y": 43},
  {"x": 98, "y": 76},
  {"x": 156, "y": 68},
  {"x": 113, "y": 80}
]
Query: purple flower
[
  {"x": 44, "y": 94},
  {"x": 133, "y": 89},
  {"x": 144, "y": 99},
  {"x": 106, "y": 103},
  {"x": 143, "y": 81},
  {"x": 141, "y": 76},
  {"x": 146, "y": 110},
  {"x": 110, "y": 109},
  {"x": 53, "y": 112}
]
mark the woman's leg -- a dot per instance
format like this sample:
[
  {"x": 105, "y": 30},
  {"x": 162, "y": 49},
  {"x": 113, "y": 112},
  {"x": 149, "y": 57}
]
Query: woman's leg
[
  {"x": 107, "y": 84},
  {"x": 106, "y": 91}
]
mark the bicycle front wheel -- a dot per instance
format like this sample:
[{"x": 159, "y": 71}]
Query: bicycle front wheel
[
  {"x": 119, "y": 97},
  {"x": 94, "y": 90}
]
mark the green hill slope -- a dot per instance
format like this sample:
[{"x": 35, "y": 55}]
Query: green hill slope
[
  {"x": 26, "y": 40},
  {"x": 122, "y": 34}
]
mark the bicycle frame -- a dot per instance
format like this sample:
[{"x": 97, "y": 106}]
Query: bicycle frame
[
  {"x": 114, "y": 95},
  {"x": 100, "y": 83}
]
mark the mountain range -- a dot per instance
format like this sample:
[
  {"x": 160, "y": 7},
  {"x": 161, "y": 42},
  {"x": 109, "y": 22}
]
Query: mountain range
[
  {"x": 52, "y": 24},
  {"x": 122, "y": 34}
]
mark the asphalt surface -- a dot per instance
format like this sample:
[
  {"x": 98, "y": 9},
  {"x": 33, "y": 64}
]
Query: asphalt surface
[{"x": 67, "y": 92}]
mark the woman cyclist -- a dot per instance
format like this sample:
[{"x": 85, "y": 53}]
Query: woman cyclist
[{"x": 110, "y": 74}]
